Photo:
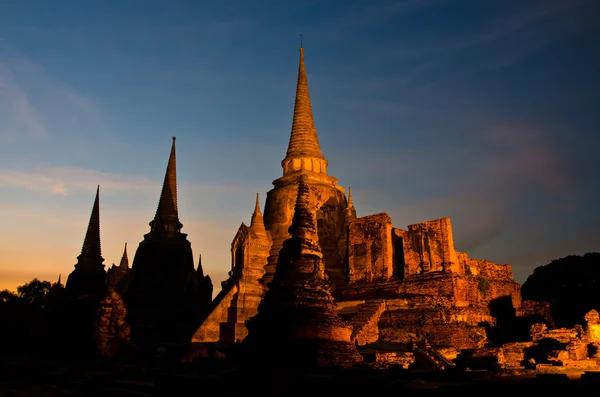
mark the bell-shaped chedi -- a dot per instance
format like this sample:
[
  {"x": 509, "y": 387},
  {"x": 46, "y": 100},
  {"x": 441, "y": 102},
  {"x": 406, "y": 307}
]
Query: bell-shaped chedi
[
  {"x": 304, "y": 158},
  {"x": 297, "y": 324},
  {"x": 204, "y": 288},
  {"x": 88, "y": 277},
  {"x": 116, "y": 276},
  {"x": 84, "y": 288},
  {"x": 162, "y": 298},
  {"x": 111, "y": 331}
]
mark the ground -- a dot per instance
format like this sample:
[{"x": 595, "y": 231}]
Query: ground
[{"x": 54, "y": 377}]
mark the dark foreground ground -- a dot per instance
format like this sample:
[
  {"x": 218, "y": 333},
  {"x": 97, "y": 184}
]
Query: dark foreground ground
[{"x": 45, "y": 377}]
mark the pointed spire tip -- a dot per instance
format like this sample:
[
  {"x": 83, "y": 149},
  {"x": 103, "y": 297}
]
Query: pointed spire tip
[
  {"x": 304, "y": 141},
  {"x": 167, "y": 217}
]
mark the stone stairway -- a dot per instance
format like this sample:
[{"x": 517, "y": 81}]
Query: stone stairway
[
  {"x": 365, "y": 322},
  {"x": 432, "y": 356}
]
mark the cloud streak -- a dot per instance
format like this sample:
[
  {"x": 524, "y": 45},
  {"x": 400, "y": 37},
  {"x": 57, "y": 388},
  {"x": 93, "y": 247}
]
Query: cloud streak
[
  {"x": 33, "y": 103},
  {"x": 20, "y": 116}
]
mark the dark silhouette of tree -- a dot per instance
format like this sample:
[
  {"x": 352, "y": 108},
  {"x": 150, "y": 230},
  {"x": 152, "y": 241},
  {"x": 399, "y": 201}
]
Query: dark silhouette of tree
[
  {"x": 7, "y": 296},
  {"x": 571, "y": 285},
  {"x": 21, "y": 316},
  {"x": 34, "y": 291}
]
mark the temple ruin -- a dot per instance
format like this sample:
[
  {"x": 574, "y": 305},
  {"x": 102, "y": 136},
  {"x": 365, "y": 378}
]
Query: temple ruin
[{"x": 396, "y": 286}]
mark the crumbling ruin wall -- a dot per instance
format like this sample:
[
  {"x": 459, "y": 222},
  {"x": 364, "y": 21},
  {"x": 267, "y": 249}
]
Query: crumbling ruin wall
[
  {"x": 592, "y": 319},
  {"x": 440, "y": 325},
  {"x": 370, "y": 249},
  {"x": 486, "y": 281},
  {"x": 435, "y": 284},
  {"x": 477, "y": 290},
  {"x": 539, "y": 310},
  {"x": 485, "y": 268},
  {"x": 429, "y": 247}
]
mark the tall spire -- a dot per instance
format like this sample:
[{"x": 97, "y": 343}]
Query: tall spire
[
  {"x": 303, "y": 226},
  {"x": 200, "y": 270},
  {"x": 91, "y": 244},
  {"x": 350, "y": 203},
  {"x": 58, "y": 282},
  {"x": 257, "y": 222},
  {"x": 124, "y": 258},
  {"x": 167, "y": 217},
  {"x": 350, "y": 210},
  {"x": 303, "y": 138}
]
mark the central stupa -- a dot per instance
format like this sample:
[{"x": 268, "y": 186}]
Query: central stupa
[{"x": 297, "y": 324}]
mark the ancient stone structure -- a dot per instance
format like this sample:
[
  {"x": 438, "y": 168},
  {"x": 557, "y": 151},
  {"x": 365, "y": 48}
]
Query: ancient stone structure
[
  {"x": 204, "y": 289},
  {"x": 328, "y": 200},
  {"x": 548, "y": 350},
  {"x": 255, "y": 249},
  {"x": 395, "y": 286},
  {"x": 297, "y": 322},
  {"x": 164, "y": 298},
  {"x": 429, "y": 290},
  {"x": 88, "y": 277},
  {"x": 111, "y": 331},
  {"x": 118, "y": 277},
  {"x": 84, "y": 288},
  {"x": 241, "y": 293}
]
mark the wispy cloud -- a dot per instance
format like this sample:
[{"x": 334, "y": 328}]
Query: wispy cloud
[
  {"x": 492, "y": 42},
  {"x": 62, "y": 180},
  {"x": 19, "y": 115},
  {"x": 59, "y": 188},
  {"x": 35, "y": 103}
]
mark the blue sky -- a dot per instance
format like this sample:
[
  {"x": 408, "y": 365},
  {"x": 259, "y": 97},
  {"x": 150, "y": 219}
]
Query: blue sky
[{"x": 482, "y": 111}]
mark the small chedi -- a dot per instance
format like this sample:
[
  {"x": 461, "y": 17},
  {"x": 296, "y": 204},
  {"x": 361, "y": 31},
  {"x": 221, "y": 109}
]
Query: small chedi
[
  {"x": 297, "y": 323},
  {"x": 112, "y": 331}
]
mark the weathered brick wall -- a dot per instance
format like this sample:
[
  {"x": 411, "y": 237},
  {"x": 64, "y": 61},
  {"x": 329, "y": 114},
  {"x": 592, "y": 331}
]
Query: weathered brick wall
[
  {"x": 436, "y": 284},
  {"x": 400, "y": 314},
  {"x": 370, "y": 250},
  {"x": 485, "y": 268},
  {"x": 439, "y": 326},
  {"x": 429, "y": 247},
  {"x": 479, "y": 290},
  {"x": 592, "y": 319},
  {"x": 514, "y": 353},
  {"x": 540, "y": 332},
  {"x": 249, "y": 269},
  {"x": 535, "y": 309}
]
